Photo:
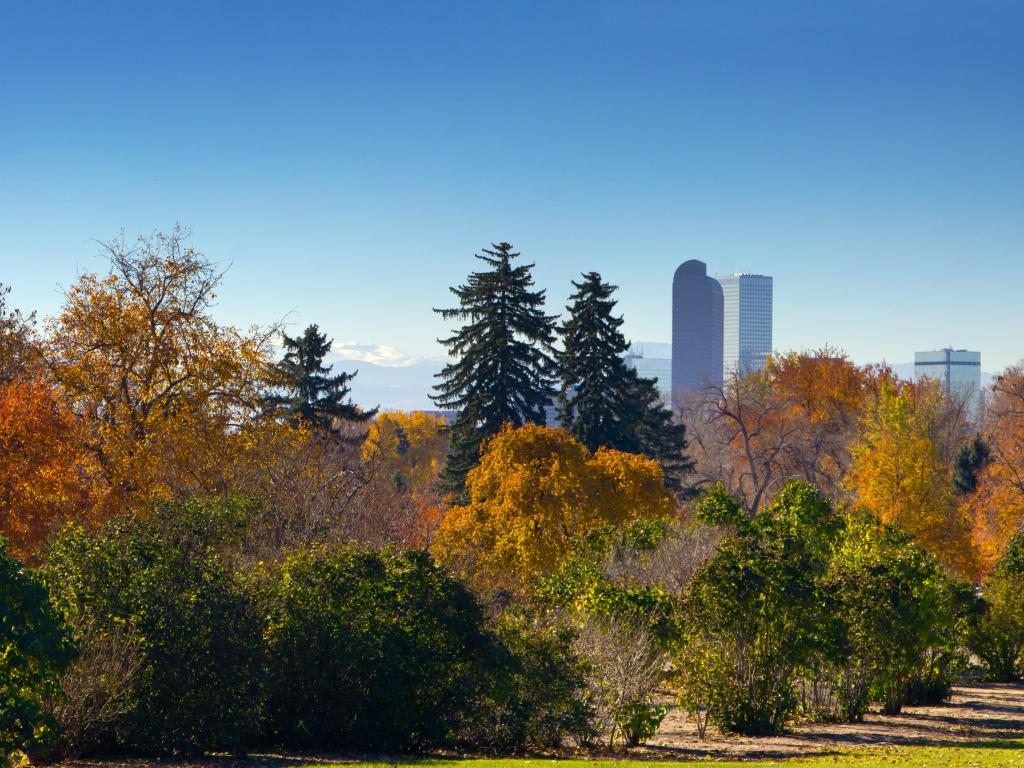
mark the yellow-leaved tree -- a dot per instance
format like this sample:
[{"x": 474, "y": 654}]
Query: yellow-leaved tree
[
  {"x": 535, "y": 490},
  {"x": 407, "y": 448},
  {"x": 168, "y": 399},
  {"x": 897, "y": 471}
]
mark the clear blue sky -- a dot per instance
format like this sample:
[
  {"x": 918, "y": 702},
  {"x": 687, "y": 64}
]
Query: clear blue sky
[{"x": 350, "y": 157}]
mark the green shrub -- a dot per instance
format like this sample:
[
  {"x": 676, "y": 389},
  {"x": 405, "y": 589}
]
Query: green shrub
[
  {"x": 379, "y": 650},
  {"x": 532, "y": 693},
  {"x": 946, "y": 656},
  {"x": 754, "y": 611},
  {"x": 35, "y": 647},
  {"x": 333, "y": 647},
  {"x": 996, "y": 636},
  {"x": 161, "y": 581},
  {"x": 895, "y": 607},
  {"x": 622, "y": 623},
  {"x": 640, "y": 721}
]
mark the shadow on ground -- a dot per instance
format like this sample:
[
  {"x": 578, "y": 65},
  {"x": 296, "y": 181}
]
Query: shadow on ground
[{"x": 979, "y": 715}]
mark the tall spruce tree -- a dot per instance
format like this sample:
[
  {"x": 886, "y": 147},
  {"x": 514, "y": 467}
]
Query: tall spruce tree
[
  {"x": 503, "y": 358},
  {"x": 604, "y": 402},
  {"x": 593, "y": 374},
  {"x": 309, "y": 393}
]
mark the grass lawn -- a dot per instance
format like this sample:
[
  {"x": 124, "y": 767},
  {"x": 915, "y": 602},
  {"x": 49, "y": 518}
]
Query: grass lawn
[{"x": 995, "y": 753}]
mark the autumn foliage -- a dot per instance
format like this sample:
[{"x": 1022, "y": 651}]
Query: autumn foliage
[
  {"x": 407, "y": 447},
  {"x": 997, "y": 505},
  {"x": 168, "y": 398},
  {"x": 897, "y": 472},
  {"x": 45, "y": 472},
  {"x": 535, "y": 490}
]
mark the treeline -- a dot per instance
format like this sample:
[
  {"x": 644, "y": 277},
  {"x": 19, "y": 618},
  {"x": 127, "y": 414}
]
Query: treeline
[{"x": 210, "y": 547}]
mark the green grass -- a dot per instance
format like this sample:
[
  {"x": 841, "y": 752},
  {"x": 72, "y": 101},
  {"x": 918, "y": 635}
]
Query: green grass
[{"x": 996, "y": 753}]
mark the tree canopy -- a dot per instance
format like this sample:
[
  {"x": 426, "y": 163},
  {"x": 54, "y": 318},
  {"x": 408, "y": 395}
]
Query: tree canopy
[{"x": 535, "y": 490}]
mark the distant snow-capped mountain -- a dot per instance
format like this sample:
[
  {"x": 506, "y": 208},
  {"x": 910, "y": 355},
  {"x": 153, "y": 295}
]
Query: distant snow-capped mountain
[
  {"x": 381, "y": 355},
  {"x": 388, "y": 377}
]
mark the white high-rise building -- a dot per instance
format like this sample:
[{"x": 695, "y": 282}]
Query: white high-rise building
[
  {"x": 958, "y": 370},
  {"x": 746, "y": 320}
]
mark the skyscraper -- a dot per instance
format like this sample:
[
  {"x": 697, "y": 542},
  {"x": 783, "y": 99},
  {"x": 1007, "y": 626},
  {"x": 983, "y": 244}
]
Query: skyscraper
[
  {"x": 747, "y": 321},
  {"x": 696, "y": 330},
  {"x": 958, "y": 370}
]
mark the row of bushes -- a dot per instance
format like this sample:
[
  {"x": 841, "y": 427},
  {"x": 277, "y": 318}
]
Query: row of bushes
[
  {"x": 182, "y": 650},
  {"x": 156, "y": 635},
  {"x": 803, "y": 611}
]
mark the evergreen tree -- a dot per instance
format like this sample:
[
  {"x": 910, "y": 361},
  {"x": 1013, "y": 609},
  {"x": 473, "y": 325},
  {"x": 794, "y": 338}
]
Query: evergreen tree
[
  {"x": 969, "y": 461},
  {"x": 591, "y": 367},
  {"x": 311, "y": 395},
  {"x": 503, "y": 363},
  {"x": 604, "y": 402},
  {"x": 655, "y": 433}
]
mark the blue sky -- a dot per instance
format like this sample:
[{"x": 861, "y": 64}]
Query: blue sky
[{"x": 348, "y": 158}]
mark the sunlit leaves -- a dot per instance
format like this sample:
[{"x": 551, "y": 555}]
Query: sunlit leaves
[{"x": 537, "y": 488}]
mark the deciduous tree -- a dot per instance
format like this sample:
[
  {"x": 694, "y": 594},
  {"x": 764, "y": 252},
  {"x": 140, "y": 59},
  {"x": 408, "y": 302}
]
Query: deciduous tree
[
  {"x": 741, "y": 431},
  {"x": 16, "y": 339},
  {"x": 826, "y": 393},
  {"x": 997, "y": 505},
  {"x": 45, "y": 472},
  {"x": 407, "y": 448},
  {"x": 167, "y": 397},
  {"x": 535, "y": 490},
  {"x": 795, "y": 419},
  {"x": 898, "y": 472}
]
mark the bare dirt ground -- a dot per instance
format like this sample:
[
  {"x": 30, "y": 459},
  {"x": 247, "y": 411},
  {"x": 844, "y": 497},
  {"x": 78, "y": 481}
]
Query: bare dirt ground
[{"x": 977, "y": 712}]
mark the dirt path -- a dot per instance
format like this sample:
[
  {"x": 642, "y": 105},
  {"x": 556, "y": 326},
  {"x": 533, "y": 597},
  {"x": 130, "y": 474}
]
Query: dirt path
[{"x": 977, "y": 712}]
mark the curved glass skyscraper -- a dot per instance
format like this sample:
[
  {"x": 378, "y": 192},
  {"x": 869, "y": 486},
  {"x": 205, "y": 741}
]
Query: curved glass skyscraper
[{"x": 696, "y": 329}]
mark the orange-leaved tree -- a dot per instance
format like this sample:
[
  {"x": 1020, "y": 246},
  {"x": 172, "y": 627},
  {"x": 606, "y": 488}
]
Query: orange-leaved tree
[
  {"x": 535, "y": 490},
  {"x": 17, "y": 352},
  {"x": 827, "y": 392},
  {"x": 44, "y": 472},
  {"x": 797, "y": 418},
  {"x": 997, "y": 505},
  {"x": 898, "y": 471},
  {"x": 168, "y": 398}
]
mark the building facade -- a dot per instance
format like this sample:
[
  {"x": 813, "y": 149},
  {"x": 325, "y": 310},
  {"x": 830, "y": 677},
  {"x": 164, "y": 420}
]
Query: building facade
[
  {"x": 653, "y": 361},
  {"x": 696, "y": 330},
  {"x": 746, "y": 321},
  {"x": 958, "y": 370}
]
